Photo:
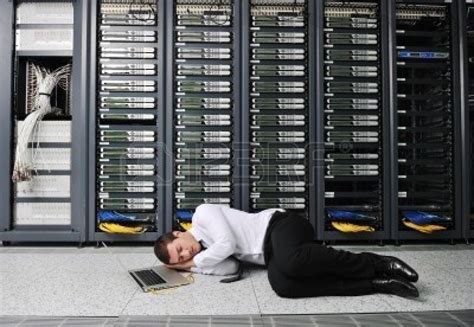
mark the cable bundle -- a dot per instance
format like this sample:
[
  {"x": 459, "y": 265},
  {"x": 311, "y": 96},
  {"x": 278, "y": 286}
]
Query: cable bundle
[
  {"x": 113, "y": 228},
  {"x": 351, "y": 228},
  {"x": 184, "y": 219},
  {"x": 46, "y": 80},
  {"x": 425, "y": 222},
  {"x": 113, "y": 222},
  {"x": 350, "y": 221}
]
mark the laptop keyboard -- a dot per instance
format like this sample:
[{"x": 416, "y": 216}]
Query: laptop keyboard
[{"x": 149, "y": 277}]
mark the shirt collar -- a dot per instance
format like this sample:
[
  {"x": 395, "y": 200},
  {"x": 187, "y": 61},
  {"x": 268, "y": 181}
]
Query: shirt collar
[{"x": 196, "y": 233}]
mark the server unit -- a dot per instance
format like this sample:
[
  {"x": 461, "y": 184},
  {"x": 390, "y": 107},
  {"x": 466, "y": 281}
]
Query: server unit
[
  {"x": 353, "y": 121},
  {"x": 276, "y": 87},
  {"x": 427, "y": 122},
  {"x": 203, "y": 103},
  {"x": 128, "y": 131},
  {"x": 42, "y": 152}
]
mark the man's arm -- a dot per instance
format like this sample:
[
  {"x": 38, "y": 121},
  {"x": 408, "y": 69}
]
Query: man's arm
[
  {"x": 186, "y": 265},
  {"x": 229, "y": 266},
  {"x": 211, "y": 218}
]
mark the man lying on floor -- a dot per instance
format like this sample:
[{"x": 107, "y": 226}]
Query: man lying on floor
[{"x": 284, "y": 242}]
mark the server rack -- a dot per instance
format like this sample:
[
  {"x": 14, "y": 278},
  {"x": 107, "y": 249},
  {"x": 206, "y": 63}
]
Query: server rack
[
  {"x": 425, "y": 78},
  {"x": 276, "y": 57},
  {"x": 466, "y": 46},
  {"x": 203, "y": 103},
  {"x": 352, "y": 131},
  {"x": 127, "y": 118},
  {"x": 244, "y": 170},
  {"x": 43, "y": 207}
]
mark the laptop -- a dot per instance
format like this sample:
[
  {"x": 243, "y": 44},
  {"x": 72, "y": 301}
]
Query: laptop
[{"x": 158, "y": 277}]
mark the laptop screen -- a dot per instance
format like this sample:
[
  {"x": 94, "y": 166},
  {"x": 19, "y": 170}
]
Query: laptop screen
[{"x": 149, "y": 277}]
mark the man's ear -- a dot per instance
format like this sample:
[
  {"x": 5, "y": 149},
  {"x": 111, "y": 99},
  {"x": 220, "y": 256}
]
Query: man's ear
[{"x": 176, "y": 233}]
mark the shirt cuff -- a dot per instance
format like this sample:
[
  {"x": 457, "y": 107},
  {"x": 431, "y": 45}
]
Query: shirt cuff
[{"x": 197, "y": 259}]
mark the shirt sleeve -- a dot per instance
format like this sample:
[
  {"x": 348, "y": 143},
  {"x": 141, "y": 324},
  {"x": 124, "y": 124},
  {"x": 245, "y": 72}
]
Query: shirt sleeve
[
  {"x": 211, "y": 219},
  {"x": 229, "y": 266}
]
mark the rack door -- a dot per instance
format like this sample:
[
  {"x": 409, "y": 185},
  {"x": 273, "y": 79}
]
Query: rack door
[
  {"x": 427, "y": 105},
  {"x": 127, "y": 134},
  {"x": 353, "y": 115},
  {"x": 44, "y": 122},
  {"x": 204, "y": 105},
  {"x": 278, "y": 101}
]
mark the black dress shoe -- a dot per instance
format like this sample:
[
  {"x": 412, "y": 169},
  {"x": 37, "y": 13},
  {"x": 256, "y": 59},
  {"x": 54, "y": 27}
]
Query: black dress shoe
[
  {"x": 395, "y": 286},
  {"x": 394, "y": 267}
]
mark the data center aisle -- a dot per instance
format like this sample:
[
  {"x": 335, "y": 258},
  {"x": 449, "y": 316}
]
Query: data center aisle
[{"x": 62, "y": 281}]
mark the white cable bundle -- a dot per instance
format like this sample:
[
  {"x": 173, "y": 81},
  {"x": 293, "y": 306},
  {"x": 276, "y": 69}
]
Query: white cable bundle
[{"x": 46, "y": 80}]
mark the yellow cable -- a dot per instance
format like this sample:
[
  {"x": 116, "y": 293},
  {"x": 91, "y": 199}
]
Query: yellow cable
[
  {"x": 186, "y": 225},
  {"x": 351, "y": 228},
  {"x": 426, "y": 229}
]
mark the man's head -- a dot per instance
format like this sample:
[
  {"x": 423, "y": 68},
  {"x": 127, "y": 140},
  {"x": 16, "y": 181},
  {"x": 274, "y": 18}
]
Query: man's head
[{"x": 176, "y": 247}]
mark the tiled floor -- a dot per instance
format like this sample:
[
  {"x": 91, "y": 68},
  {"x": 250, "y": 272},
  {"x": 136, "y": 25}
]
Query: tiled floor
[
  {"x": 420, "y": 319},
  {"x": 69, "y": 281}
]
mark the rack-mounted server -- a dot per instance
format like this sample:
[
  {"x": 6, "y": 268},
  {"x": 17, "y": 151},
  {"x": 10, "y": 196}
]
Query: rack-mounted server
[
  {"x": 279, "y": 105},
  {"x": 353, "y": 115},
  {"x": 426, "y": 115},
  {"x": 204, "y": 103},
  {"x": 128, "y": 94}
]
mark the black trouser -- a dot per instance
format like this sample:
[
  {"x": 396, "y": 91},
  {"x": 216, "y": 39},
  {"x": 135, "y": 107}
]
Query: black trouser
[{"x": 299, "y": 267}]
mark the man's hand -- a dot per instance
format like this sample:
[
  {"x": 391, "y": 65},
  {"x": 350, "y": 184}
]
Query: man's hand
[{"x": 186, "y": 265}]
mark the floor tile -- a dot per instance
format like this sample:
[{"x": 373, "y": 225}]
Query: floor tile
[
  {"x": 42, "y": 249},
  {"x": 11, "y": 262},
  {"x": 405, "y": 319},
  {"x": 109, "y": 262},
  {"x": 65, "y": 293},
  {"x": 466, "y": 317},
  {"x": 270, "y": 303},
  {"x": 288, "y": 321},
  {"x": 465, "y": 277},
  {"x": 206, "y": 296},
  {"x": 188, "y": 321},
  {"x": 368, "y": 248},
  {"x": 117, "y": 249},
  {"x": 439, "y": 290},
  {"x": 435, "y": 319},
  {"x": 4, "y": 249},
  {"x": 446, "y": 259},
  {"x": 237, "y": 321},
  {"x": 333, "y": 320},
  {"x": 374, "y": 320}
]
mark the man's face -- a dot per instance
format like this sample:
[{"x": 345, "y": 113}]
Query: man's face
[{"x": 182, "y": 248}]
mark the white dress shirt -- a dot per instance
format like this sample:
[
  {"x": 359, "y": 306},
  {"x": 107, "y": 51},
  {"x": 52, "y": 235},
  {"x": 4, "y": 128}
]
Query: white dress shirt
[{"x": 227, "y": 232}]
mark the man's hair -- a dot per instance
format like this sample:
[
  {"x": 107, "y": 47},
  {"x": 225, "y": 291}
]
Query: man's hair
[{"x": 161, "y": 250}]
